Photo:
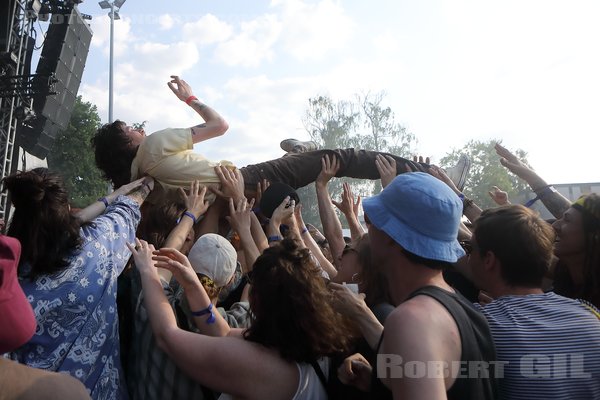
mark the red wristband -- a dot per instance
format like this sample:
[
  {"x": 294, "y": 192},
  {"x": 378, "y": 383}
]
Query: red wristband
[{"x": 190, "y": 99}]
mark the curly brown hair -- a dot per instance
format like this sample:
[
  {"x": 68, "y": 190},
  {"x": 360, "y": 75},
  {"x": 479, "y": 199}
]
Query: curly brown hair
[
  {"x": 291, "y": 306},
  {"x": 48, "y": 232},
  {"x": 113, "y": 153}
]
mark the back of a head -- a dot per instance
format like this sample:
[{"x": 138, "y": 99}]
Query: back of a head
[
  {"x": 215, "y": 258},
  {"x": 520, "y": 239},
  {"x": 158, "y": 220},
  {"x": 274, "y": 195},
  {"x": 113, "y": 153},
  {"x": 291, "y": 306},
  {"x": 41, "y": 220}
]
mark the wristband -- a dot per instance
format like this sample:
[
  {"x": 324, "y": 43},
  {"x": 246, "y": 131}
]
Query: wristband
[
  {"x": 104, "y": 200},
  {"x": 189, "y": 214},
  {"x": 304, "y": 230},
  {"x": 461, "y": 196},
  {"x": 190, "y": 99},
  {"x": 207, "y": 310},
  {"x": 275, "y": 238},
  {"x": 544, "y": 191}
]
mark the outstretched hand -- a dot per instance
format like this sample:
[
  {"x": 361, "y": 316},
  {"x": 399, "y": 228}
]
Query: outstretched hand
[
  {"x": 194, "y": 200},
  {"x": 232, "y": 183},
  {"x": 179, "y": 265},
  {"x": 329, "y": 168},
  {"x": 512, "y": 163},
  {"x": 180, "y": 87},
  {"x": 142, "y": 256},
  {"x": 347, "y": 205},
  {"x": 386, "y": 166},
  {"x": 499, "y": 196},
  {"x": 439, "y": 173},
  {"x": 240, "y": 214}
]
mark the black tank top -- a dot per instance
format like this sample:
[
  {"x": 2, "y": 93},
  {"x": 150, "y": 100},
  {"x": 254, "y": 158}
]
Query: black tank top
[{"x": 477, "y": 345}]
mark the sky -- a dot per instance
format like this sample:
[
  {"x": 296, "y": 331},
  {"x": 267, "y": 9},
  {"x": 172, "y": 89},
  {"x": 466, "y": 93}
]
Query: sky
[{"x": 526, "y": 72}]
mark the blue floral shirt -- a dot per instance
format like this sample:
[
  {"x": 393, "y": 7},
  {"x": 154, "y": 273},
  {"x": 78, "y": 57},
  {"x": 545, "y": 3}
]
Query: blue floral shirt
[{"x": 76, "y": 311}]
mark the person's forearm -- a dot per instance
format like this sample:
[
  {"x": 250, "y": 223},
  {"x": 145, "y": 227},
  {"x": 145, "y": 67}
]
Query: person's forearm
[
  {"x": 356, "y": 228},
  {"x": 555, "y": 202},
  {"x": 198, "y": 300},
  {"x": 332, "y": 228},
  {"x": 258, "y": 235},
  {"x": 213, "y": 120},
  {"x": 316, "y": 251},
  {"x": 251, "y": 252},
  {"x": 158, "y": 308},
  {"x": 370, "y": 327},
  {"x": 471, "y": 210}
]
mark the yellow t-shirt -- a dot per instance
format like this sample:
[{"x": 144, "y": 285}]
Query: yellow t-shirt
[{"x": 168, "y": 156}]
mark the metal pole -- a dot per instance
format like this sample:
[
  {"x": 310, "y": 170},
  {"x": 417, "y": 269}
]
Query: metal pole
[{"x": 110, "y": 70}]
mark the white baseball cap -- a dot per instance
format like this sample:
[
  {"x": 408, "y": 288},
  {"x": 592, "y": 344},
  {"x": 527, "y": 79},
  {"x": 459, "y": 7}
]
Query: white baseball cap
[{"x": 212, "y": 255}]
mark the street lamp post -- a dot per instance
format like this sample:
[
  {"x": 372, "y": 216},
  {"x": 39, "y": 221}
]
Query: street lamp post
[{"x": 113, "y": 14}]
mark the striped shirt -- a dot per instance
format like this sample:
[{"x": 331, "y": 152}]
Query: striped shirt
[{"x": 549, "y": 345}]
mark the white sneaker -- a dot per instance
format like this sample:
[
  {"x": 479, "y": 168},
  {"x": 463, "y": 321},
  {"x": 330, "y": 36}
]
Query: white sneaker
[
  {"x": 297, "y": 146},
  {"x": 458, "y": 174}
]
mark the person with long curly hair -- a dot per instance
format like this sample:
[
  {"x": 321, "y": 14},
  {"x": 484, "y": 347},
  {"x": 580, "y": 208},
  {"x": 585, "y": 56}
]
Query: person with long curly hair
[
  {"x": 577, "y": 247},
  {"x": 68, "y": 271},
  {"x": 282, "y": 355}
]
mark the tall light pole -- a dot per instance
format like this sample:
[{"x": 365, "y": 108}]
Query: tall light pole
[{"x": 113, "y": 14}]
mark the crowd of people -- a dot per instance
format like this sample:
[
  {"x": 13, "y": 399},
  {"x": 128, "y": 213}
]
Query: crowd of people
[{"x": 196, "y": 279}]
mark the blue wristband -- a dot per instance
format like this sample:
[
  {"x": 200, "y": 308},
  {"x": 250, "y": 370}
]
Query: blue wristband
[
  {"x": 304, "y": 230},
  {"x": 189, "y": 214},
  {"x": 207, "y": 310},
  {"x": 104, "y": 200},
  {"x": 275, "y": 238}
]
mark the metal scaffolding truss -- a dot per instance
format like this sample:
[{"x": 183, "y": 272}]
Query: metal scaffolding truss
[{"x": 12, "y": 65}]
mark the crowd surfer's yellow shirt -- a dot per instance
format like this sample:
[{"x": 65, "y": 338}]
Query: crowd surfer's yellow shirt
[{"x": 168, "y": 156}]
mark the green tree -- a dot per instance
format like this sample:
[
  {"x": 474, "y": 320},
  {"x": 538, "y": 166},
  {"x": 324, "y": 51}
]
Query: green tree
[
  {"x": 363, "y": 123},
  {"x": 72, "y": 156},
  {"x": 486, "y": 171}
]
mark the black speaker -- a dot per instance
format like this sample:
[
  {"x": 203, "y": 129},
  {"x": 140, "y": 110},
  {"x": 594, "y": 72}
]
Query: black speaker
[{"x": 64, "y": 54}]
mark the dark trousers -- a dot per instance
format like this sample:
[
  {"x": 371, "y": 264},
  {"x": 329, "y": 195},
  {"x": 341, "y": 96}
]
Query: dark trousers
[{"x": 298, "y": 170}]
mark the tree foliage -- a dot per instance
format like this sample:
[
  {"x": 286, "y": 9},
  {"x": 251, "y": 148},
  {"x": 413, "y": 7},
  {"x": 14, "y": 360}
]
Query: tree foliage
[
  {"x": 486, "y": 171},
  {"x": 72, "y": 156},
  {"x": 363, "y": 122}
]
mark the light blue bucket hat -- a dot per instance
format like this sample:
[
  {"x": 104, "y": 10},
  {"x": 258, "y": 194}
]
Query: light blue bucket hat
[{"x": 421, "y": 213}]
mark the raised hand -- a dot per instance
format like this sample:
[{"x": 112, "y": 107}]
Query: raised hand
[
  {"x": 329, "y": 168},
  {"x": 439, "y": 173},
  {"x": 142, "y": 256},
  {"x": 180, "y": 87},
  {"x": 512, "y": 163},
  {"x": 386, "y": 166},
  {"x": 194, "y": 200},
  {"x": 499, "y": 196},
  {"x": 173, "y": 260},
  {"x": 240, "y": 214},
  {"x": 347, "y": 205},
  {"x": 284, "y": 211},
  {"x": 260, "y": 189},
  {"x": 232, "y": 183}
]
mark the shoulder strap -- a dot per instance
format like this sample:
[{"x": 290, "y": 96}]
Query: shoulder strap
[{"x": 321, "y": 376}]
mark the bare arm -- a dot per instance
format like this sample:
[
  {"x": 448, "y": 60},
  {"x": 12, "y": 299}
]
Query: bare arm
[
  {"x": 178, "y": 264},
  {"x": 144, "y": 184},
  {"x": 350, "y": 210},
  {"x": 214, "y": 125},
  {"x": 232, "y": 360},
  {"x": 240, "y": 220},
  {"x": 332, "y": 228},
  {"x": 196, "y": 206},
  {"x": 555, "y": 202},
  {"x": 314, "y": 248}
]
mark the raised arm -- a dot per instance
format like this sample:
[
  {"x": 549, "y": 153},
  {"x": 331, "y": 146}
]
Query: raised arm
[
  {"x": 214, "y": 125},
  {"x": 95, "y": 209},
  {"x": 555, "y": 202},
  {"x": 349, "y": 208},
  {"x": 332, "y": 228},
  {"x": 240, "y": 219}
]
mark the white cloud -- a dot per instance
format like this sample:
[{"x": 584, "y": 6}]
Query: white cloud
[
  {"x": 252, "y": 45},
  {"x": 207, "y": 30},
  {"x": 166, "y": 22},
  {"x": 312, "y": 30},
  {"x": 123, "y": 34}
]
